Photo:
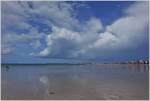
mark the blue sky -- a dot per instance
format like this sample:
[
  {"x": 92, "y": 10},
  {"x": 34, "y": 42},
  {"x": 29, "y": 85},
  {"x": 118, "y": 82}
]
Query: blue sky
[{"x": 43, "y": 32}]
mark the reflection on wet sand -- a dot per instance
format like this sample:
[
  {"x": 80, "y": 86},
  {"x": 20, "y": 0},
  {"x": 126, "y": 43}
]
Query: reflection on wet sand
[
  {"x": 88, "y": 82},
  {"x": 138, "y": 67},
  {"x": 7, "y": 68}
]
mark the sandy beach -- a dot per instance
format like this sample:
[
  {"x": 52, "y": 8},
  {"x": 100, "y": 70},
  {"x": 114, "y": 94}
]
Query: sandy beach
[{"x": 88, "y": 82}]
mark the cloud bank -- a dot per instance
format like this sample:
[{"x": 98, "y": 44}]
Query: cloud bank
[{"x": 69, "y": 38}]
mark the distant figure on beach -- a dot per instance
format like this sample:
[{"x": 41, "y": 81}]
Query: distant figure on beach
[{"x": 7, "y": 68}]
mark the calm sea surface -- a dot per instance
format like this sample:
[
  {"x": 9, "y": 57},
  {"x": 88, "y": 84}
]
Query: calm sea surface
[{"x": 88, "y": 82}]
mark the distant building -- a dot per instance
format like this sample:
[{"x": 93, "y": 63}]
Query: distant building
[{"x": 141, "y": 61}]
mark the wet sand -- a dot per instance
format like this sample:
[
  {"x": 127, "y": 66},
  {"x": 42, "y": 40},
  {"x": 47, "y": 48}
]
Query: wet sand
[{"x": 77, "y": 82}]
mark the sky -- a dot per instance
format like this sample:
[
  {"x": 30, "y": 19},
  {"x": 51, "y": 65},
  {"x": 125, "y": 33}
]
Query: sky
[{"x": 58, "y": 31}]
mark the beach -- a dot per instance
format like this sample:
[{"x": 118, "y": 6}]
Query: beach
[{"x": 75, "y": 82}]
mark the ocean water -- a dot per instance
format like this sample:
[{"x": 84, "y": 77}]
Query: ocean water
[{"x": 77, "y": 82}]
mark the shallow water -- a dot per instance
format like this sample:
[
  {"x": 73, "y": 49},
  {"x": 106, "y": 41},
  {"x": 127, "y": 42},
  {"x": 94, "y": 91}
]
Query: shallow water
[{"x": 88, "y": 82}]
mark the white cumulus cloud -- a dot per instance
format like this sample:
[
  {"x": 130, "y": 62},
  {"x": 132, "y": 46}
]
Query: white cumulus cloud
[
  {"x": 126, "y": 32},
  {"x": 69, "y": 38}
]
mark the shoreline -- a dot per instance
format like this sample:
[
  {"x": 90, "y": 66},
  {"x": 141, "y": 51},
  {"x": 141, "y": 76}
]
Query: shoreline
[{"x": 71, "y": 63}]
